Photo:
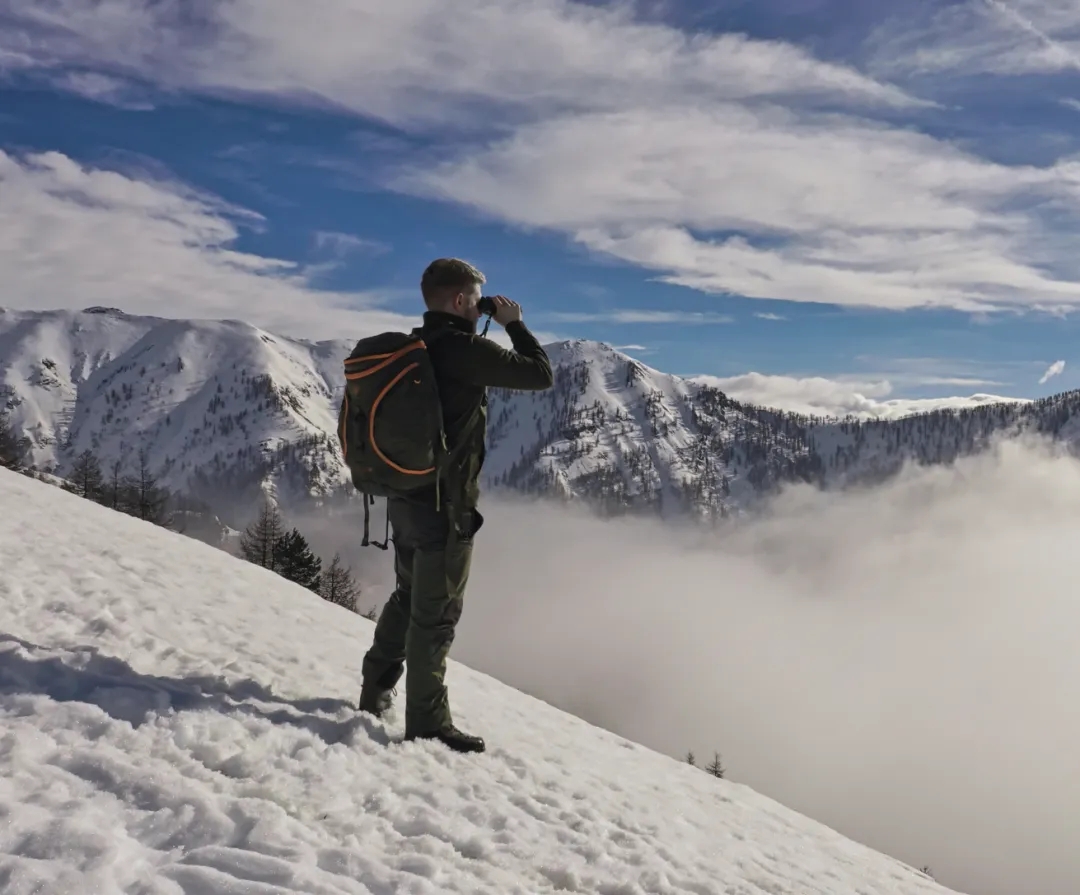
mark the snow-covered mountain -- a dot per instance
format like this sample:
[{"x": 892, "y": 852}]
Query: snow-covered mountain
[
  {"x": 222, "y": 406},
  {"x": 213, "y": 403},
  {"x": 623, "y": 435},
  {"x": 861, "y": 451},
  {"x": 177, "y": 720},
  {"x": 224, "y": 409}
]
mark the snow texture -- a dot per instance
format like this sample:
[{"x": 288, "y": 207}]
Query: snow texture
[{"x": 178, "y": 721}]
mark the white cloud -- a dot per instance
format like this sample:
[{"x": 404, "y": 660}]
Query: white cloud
[
  {"x": 73, "y": 236},
  {"x": 1055, "y": 369},
  {"x": 633, "y": 138},
  {"x": 831, "y": 209},
  {"x": 418, "y": 61},
  {"x": 820, "y": 396},
  {"x": 771, "y": 316},
  {"x": 640, "y": 316}
]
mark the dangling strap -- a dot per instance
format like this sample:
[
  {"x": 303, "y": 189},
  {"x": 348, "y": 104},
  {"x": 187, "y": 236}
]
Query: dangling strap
[
  {"x": 369, "y": 502},
  {"x": 486, "y": 325},
  {"x": 367, "y": 520},
  {"x": 385, "y": 544}
]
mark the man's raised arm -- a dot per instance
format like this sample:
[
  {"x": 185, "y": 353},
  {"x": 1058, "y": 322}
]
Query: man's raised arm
[{"x": 481, "y": 362}]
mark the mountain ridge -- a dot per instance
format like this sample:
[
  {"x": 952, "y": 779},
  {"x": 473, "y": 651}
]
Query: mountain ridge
[{"x": 229, "y": 411}]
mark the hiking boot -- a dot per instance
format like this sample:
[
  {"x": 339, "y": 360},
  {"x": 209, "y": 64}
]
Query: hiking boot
[
  {"x": 375, "y": 700},
  {"x": 451, "y": 737}
]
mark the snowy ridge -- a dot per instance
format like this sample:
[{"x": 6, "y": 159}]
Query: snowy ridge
[
  {"x": 45, "y": 357},
  {"x": 226, "y": 410},
  {"x": 223, "y": 407},
  {"x": 867, "y": 451},
  {"x": 624, "y": 435},
  {"x": 161, "y": 736},
  {"x": 210, "y": 401}
]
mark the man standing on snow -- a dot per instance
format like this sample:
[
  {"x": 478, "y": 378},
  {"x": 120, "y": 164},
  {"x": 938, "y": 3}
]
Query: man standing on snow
[{"x": 433, "y": 538}]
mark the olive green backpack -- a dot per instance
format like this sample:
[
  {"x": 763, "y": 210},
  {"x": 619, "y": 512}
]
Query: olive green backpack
[{"x": 390, "y": 423}]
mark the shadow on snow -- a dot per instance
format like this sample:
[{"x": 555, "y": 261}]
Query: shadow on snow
[{"x": 128, "y": 695}]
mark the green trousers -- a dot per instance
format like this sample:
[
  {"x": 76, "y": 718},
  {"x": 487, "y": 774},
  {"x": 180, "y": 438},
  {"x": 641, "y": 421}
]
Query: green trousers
[{"x": 416, "y": 627}]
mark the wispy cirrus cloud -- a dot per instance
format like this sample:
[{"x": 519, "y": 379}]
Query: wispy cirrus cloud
[
  {"x": 103, "y": 88},
  {"x": 918, "y": 372},
  {"x": 1055, "y": 369},
  {"x": 73, "y": 236},
  {"x": 342, "y": 245},
  {"x": 1003, "y": 37}
]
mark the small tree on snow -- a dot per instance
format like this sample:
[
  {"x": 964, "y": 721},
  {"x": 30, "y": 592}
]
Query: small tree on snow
[
  {"x": 715, "y": 767},
  {"x": 260, "y": 539},
  {"x": 295, "y": 562},
  {"x": 338, "y": 585},
  {"x": 691, "y": 759}
]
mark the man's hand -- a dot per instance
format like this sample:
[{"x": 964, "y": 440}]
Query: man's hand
[{"x": 506, "y": 311}]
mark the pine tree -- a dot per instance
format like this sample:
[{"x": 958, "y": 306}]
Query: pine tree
[
  {"x": 86, "y": 478},
  {"x": 691, "y": 759},
  {"x": 146, "y": 498},
  {"x": 13, "y": 447},
  {"x": 295, "y": 561},
  {"x": 338, "y": 585},
  {"x": 715, "y": 767},
  {"x": 259, "y": 541}
]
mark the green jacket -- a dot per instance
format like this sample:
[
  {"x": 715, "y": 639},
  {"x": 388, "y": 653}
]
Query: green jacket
[{"x": 466, "y": 365}]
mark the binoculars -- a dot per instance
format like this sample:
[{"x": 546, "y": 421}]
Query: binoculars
[{"x": 486, "y": 305}]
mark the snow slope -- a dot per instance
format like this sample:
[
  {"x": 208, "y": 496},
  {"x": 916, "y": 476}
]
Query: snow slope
[{"x": 177, "y": 721}]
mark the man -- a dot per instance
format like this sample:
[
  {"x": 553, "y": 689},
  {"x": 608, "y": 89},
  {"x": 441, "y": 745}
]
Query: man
[{"x": 433, "y": 532}]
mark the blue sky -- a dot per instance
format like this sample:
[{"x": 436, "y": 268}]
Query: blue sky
[{"x": 857, "y": 203}]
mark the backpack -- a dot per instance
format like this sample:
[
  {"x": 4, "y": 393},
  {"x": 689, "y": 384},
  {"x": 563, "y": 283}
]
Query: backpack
[{"x": 390, "y": 424}]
